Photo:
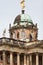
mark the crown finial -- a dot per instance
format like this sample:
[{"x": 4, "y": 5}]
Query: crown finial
[{"x": 23, "y": 4}]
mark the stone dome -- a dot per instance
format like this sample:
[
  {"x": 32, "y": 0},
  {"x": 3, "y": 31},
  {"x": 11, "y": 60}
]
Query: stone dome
[{"x": 23, "y": 18}]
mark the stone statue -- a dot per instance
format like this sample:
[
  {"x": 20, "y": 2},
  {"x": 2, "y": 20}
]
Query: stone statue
[
  {"x": 22, "y": 4},
  {"x": 4, "y": 32}
]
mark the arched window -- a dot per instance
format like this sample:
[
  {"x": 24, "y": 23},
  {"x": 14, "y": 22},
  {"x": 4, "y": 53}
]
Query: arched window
[
  {"x": 11, "y": 34},
  {"x": 18, "y": 35},
  {"x": 30, "y": 37}
]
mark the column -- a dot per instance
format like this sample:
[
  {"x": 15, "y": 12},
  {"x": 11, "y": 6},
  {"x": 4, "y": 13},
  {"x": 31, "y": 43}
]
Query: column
[
  {"x": 24, "y": 59},
  {"x": 37, "y": 59},
  {"x": 27, "y": 60},
  {"x": 18, "y": 58},
  {"x": 11, "y": 58},
  {"x": 4, "y": 58},
  {"x": 30, "y": 59},
  {"x": 42, "y": 59}
]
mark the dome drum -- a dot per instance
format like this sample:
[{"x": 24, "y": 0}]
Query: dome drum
[{"x": 24, "y": 22}]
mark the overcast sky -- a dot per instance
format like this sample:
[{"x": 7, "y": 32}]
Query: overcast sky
[{"x": 9, "y": 9}]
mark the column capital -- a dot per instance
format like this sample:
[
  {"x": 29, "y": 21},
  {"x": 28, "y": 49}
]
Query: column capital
[
  {"x": 11, "y": 52},
  {"x": 18, "y": 53},
  {"x": 25, "y": 53},
  {"x": 4, "y": 51},
  {"x": 36, "y": 53}
]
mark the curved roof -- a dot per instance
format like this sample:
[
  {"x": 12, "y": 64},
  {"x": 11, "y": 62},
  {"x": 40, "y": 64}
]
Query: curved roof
[{"x": 22, "y": 18}]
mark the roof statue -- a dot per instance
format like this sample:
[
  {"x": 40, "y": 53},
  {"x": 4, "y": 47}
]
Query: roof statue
[
  {"x": 23, "y": 4},
  {"x": 4, "y": 31}
]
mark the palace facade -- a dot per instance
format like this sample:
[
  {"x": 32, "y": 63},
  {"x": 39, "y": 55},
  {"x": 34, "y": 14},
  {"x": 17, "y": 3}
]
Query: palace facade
[{"x": 23, "y": 47}]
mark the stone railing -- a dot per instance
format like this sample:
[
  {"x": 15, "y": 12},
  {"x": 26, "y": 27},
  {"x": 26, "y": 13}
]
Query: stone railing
[
  {"x": 5, "y": 40},
  {"x": 16, "y": 42}
]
